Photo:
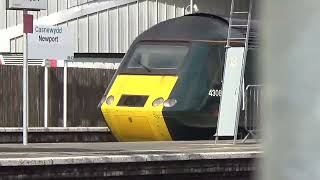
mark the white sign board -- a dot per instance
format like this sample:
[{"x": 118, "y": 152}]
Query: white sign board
[
  {"x": 229, "y": 106},
  {"x": 27, "y": 4},
  {"x": 50, "y": 42}
]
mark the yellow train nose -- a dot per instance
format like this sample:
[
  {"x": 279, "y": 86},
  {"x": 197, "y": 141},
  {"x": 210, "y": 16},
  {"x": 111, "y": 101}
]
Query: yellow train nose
[
  {"x": 131, "y": 115},
  {"x": 133, "y": 125}
]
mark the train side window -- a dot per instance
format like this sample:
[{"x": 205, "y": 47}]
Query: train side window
[
  {"x": 215, "y": 63},
  {"x": 221, "y": 55}
]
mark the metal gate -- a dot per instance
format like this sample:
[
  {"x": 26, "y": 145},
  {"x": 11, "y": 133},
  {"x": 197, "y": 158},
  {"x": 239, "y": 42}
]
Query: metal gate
[{"x": 253, "y": 97}]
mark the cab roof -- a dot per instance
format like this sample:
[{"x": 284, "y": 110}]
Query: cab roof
[
  {"x": 190, "y": 27},
  {"x": 194, "y": 27}
]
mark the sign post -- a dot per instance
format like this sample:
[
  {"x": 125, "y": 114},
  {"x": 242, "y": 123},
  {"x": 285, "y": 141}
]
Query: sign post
[
  {"x": 26, "y": 5},
  {"x": 25, "y": 82},
  {"x": 27, "y": 28}
]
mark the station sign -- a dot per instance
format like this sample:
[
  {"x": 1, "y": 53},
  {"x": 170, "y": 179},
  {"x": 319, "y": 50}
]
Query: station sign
[
  {"x": 30, "y": 5},
  {"x": 50, "y": 42}
]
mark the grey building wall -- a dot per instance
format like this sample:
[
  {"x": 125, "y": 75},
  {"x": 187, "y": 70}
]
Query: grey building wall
[{"x": 112, "y": 30}]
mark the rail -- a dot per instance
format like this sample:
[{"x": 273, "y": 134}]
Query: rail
[{"x": 252, "y": 121}]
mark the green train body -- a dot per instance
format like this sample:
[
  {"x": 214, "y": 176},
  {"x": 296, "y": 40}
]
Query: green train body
[{"x": 183, "y": 60}]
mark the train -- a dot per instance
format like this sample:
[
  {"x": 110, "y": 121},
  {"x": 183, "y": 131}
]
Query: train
[{"x": 168, "y": 85}]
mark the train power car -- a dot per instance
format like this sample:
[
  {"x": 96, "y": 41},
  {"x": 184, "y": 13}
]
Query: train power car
[{"x": 168, "y": 86}]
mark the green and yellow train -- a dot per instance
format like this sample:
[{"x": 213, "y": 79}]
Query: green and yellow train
[{"x": 168, "y": 85}]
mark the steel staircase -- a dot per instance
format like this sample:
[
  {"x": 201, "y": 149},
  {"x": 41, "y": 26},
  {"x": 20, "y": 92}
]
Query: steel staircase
[{"x": 245, "y": 27}]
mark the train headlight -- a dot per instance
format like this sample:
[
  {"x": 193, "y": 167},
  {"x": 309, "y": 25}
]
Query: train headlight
[
  {"x": 157, "y": 102},
  {"x": 110, "y": 100},
  {"x": 170, "y": 102}
]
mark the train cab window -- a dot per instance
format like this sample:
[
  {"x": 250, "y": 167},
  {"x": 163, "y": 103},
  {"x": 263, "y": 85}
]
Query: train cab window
[
  {"x": 215, "y": 63},
  {"x": 156, "y": 56}
]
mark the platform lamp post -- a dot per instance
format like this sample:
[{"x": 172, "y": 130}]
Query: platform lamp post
[{"x": 26, "y": 6}]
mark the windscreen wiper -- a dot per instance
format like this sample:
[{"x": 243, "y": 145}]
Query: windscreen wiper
[{"x": 144, "y": 66}]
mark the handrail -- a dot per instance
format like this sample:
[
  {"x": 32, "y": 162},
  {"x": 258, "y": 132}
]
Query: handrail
[{"x": 253, "y": 85}]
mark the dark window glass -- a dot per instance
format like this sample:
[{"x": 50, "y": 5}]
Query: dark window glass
[
  {"x": 155, "y": 56},
  {"x": 215, "y": 63}
]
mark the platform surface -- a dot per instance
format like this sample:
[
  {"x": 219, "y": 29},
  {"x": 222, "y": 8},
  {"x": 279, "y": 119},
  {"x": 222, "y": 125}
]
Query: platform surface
[{"x": 115, "y": 152}]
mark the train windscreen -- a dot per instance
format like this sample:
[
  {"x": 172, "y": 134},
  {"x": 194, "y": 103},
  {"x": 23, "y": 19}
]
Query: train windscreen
[{"x": 157, "y": 57}]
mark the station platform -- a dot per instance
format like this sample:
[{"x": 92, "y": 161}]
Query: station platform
[
  {"x": 56, "y": 134},
  {"x": 129, "y": 160}
]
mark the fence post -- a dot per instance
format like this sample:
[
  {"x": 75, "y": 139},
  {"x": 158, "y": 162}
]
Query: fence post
[
  {"x": 45, "y": 96},
  {"x": 65, "y": 93}
]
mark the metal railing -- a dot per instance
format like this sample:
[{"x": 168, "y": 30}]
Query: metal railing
[{"x": 252, "y": 121}]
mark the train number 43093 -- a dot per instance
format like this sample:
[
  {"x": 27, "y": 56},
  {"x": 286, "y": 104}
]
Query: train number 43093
[{"x": 215, "y": 92}]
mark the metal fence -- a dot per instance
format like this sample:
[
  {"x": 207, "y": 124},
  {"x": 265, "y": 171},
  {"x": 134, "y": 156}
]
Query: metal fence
[{"x": 253, "y": 96}]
